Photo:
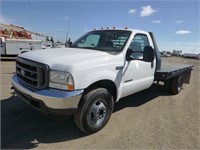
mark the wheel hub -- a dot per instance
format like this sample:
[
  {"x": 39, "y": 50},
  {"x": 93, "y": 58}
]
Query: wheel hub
[
  {"x": 180, "y": 84},
  {"x": 97, "y": 113}
]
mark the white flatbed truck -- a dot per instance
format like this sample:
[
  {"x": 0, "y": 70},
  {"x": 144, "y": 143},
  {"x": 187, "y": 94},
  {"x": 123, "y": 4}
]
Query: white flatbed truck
[{"x": 86, "y": 79}]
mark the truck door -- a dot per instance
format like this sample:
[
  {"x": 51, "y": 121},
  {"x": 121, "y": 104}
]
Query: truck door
[{"x": 138, "y": 74}]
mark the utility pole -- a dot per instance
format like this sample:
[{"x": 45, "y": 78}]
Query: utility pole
[{"x": 67, "y": 30}]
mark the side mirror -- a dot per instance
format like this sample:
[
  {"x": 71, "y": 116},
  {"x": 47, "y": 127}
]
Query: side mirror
[
  {"x": 148, "y": 54},
  {"x": 134, "y": 55}
]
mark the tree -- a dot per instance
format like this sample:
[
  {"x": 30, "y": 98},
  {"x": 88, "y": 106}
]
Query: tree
[
  {"x": 47, "y": 38},
  {"x": 69, "y": 40},
  {"x": 52, "y": 39},
  {"x": 68, "y": 43}
]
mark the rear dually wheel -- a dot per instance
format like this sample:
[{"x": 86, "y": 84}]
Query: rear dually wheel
[{"x": 176, "y": 84}]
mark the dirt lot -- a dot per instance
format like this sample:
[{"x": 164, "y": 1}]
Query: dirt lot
[{"x": 151, "y": 119}]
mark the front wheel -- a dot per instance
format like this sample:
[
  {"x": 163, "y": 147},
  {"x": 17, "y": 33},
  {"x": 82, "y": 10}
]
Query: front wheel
[{"x": 94, "y": 110}]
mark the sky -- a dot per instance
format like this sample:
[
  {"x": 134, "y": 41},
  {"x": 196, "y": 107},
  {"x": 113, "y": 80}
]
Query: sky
[{"x": 175, "y": 23}]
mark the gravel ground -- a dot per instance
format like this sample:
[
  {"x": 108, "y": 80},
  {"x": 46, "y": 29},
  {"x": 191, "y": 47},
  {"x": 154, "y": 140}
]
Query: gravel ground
[{"x": 151, "y": 119}]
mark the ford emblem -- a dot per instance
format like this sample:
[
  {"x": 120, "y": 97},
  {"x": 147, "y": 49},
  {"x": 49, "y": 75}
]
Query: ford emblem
[{"x": 22, "y": 72}]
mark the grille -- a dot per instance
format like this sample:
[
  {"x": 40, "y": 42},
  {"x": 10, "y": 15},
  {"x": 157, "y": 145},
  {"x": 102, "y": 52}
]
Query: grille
[{"x": 32, "y": 74}]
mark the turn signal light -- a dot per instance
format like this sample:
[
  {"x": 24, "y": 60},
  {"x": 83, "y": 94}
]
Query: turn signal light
[{"x": 70, "y": 87}]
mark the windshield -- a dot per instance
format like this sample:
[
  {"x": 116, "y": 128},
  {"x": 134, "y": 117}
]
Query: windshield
[{"x": 103, "y": 40}]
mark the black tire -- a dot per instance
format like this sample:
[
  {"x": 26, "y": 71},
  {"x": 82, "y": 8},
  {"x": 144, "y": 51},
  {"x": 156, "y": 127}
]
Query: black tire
[
  {"x": 176, "y": 84},
  {"x": 94, "y": 110}
]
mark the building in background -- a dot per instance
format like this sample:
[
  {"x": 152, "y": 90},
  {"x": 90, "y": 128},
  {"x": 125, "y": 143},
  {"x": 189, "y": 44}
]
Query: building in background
[
  {"x": 16, "y": 39},
  {"x": 177, "y": 53},
  {"x": 17, "y": 32}
]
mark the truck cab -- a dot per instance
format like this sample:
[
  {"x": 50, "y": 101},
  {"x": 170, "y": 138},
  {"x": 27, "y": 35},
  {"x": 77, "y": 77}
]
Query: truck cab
[{"x": 86, "y": 79}]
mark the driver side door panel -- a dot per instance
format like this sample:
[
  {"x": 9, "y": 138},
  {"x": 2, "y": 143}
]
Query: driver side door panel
[{"x": 138, "y": 74}]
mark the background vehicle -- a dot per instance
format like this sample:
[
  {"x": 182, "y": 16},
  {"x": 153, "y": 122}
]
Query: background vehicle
[
  {"x": 98, "y": 69},
  {"x": 18, "y": 46}
]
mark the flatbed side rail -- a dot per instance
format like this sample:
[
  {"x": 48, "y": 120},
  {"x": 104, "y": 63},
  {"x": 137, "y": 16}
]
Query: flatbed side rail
[{"x": 162, "y": 75}]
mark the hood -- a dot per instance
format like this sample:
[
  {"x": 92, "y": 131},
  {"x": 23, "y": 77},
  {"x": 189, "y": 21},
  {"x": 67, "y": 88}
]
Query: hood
[{"x": 63, "y": 58}]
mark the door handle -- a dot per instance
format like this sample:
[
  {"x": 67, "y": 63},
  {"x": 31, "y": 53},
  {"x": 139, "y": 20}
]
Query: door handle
[{"x": 119, "y": 67}]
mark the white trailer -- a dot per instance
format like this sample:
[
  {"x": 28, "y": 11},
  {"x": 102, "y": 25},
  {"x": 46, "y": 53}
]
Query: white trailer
[{"x": 18, "y": 46}]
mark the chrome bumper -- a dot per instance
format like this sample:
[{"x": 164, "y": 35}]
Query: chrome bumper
[{"x": 52, "y": 98}]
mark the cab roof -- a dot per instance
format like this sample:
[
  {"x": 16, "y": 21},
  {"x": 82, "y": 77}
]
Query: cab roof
[{"x": 123, "y": 29}]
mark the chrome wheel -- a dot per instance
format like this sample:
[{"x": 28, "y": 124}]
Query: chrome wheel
[
  {"x": 97, "y": 113},
  {"x": 95, "y": 109}
]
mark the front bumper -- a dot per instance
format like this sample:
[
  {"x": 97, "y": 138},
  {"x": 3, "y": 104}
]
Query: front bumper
[{"x": 48, "y": 100}]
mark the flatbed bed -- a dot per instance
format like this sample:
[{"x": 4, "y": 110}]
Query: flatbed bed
[{"x": 169, "y": 71}]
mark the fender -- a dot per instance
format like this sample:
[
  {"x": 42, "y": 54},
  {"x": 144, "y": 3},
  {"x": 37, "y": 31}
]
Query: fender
[
  {"x": 85, "y": 81},
  {"x": 82, "y": 82}
]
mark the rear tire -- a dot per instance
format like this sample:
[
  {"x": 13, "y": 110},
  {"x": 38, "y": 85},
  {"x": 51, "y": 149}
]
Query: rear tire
[
  {"x": 94, "y": 110},
  {"x": 167, "y": 85},
  {"x": 176, "y": 84}
]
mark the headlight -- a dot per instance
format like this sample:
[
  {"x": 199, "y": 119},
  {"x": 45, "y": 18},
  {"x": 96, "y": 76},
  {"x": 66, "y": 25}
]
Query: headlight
[{"x": 61, "y": 80}]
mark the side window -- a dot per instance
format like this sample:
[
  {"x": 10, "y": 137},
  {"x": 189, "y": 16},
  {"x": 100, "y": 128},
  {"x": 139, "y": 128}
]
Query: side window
[
  {"x": 119, "y": 42},
  {"x": 90, "y": 41},
  {"x": 139, "y": 42},
  {"x": 137, "y": 45}
]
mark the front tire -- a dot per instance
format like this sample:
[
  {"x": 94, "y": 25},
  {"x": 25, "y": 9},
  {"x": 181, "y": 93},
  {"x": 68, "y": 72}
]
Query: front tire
[{"x": 94, "y": 110}]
